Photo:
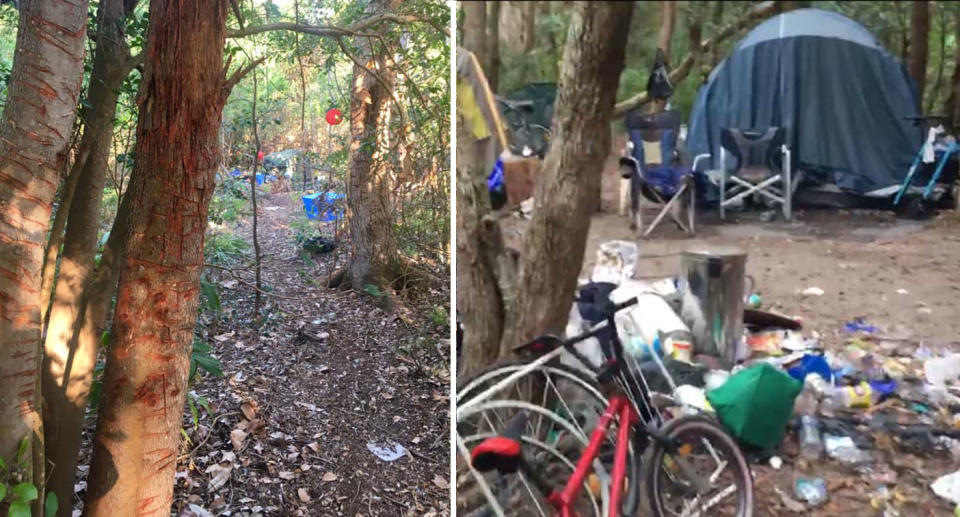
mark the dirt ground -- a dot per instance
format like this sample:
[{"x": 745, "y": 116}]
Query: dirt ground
[
  {"x": 901, "y": 276},
  {"x": 329, "y": 375}
]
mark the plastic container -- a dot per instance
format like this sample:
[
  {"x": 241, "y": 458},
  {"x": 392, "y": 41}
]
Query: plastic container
[
  {"x": 860, "y": 396},
  {"x": 683, "y": 351},
  {"x": 811, "y": 446},
  {"x": 811, "y": 490},
  {"x": 941, "y": 370}
]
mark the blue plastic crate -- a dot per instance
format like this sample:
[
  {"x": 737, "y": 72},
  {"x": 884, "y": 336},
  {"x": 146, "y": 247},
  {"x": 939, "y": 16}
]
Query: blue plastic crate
[{"x": 322, "y": 209}]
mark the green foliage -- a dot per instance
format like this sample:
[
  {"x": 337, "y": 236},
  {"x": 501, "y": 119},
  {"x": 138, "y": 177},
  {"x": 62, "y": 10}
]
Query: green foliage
[
  {"x": 23, "y": 493},
  {"x": 439, "y": 316},
  {"x": 200, "y": 358},
  {"x": 210, "y": 296},
  {"x": 224, "y": 248}
]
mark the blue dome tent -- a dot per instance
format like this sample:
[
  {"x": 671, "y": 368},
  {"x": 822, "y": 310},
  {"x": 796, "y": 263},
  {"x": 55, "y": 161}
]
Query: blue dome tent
[{"x": 843, "y": 99}]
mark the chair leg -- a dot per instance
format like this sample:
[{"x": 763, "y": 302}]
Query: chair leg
[
  {"x": 692, "y": 208},
  {"x": 723, "y": 195},
  {"x": 624, "y": 196}
]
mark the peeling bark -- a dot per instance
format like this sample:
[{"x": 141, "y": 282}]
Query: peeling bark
[
  {"x": 41, "y": 107},
  {"x": 182, "y": 96}
]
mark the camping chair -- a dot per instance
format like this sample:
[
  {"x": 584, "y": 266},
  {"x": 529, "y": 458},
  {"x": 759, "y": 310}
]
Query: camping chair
[
  {"x": 762, "y": 168},
  {"x": 651, "y": 171}
]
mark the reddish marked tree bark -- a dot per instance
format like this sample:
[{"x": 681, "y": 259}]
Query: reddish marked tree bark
[
  {"x": 182, "y": 96},
  {"x": 69, "y": 353},
  {"x": 570, "y": 176},
  {"x": 37, "y": 119}
]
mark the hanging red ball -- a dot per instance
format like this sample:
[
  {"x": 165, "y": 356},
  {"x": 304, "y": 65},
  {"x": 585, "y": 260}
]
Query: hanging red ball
[
  {"x": 259, "y": 156},
  {"x": 334, "y": 116}
]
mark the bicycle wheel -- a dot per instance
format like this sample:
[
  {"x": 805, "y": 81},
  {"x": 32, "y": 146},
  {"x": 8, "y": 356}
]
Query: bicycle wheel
[
  {"x": 515, "y": 494},
  {"x": 703, "y": 473},
  {"x": 564, "y": 404}
]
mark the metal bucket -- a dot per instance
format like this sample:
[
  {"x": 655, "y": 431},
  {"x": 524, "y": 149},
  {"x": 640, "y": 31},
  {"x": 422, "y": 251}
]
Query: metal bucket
[{"x": 712, "y": 304}]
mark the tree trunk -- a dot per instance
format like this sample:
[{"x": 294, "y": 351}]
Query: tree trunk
[
  {"x": 475, "y": 30},
  {"x": 667, "y": 24},
  {"x": 935, "y": 91},
  {"x": 253, "y": 199},
  {"x": 368, "y": 189},
  {"x": 570, "y": 177},
  {"x": 919, "y": 44},
  {"x": 67, "y": 368},
  {"x": 480, "y": 302},
  {"x": 181, "y": 100},
  {"x": 493, "y": 39},
  {"x": 951, "y": 107},
  {"x": 37, "y": 119},
  {"x": 530, "y": 26},
  {"x": 56, "y": 233}
]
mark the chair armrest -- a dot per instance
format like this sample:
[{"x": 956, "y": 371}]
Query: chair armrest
[{"x": 696, "y": 160}]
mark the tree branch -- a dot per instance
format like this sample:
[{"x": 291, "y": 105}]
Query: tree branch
[
  {"x": 235, "y": 78},
  {"x": 331, "y": 31},
  {"x": 680, "y": 73}
]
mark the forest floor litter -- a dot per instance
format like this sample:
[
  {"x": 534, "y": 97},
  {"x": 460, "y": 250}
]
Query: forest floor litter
[{"x": 335, "y": 407}]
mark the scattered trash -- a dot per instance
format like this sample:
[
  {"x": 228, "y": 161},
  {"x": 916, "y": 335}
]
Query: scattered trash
[
  {"x": 754, "y": 301},
  {"x": 714, "y": 379},
  {"x": 811, "y": 490},
  {"x": 812, "y": 291},
  {"x": 811, "y": 363},
  {"x": 391, "y": 451},
  {"x": 615, "y": 262},
  {"x": 776, "y": 462},
  {"x": 941, "y": 370},
  {"x": 858, "y": 325},
  {"x": 319, "y": 245},
  {"x": 844, "y": 450},
  {"x": 811, "y": 447},
  {"x": 948, "y": 487},
  {"x": 902, "y": 291},
  {"x": 755, "y": 404},
  {"x": 692, "y": 396}
]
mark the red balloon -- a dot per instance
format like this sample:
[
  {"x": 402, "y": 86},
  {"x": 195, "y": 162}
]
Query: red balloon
[
  {"x": 334, "y": 116},
  {"x": 260, "y": 156}
]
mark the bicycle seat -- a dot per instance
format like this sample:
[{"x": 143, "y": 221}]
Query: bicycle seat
[{"x": 502, "y": 452}]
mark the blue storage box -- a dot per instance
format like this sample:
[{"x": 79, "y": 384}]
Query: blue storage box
[
  {"x": 260, "y": 178},
  {"x": 322, "y": 209}
]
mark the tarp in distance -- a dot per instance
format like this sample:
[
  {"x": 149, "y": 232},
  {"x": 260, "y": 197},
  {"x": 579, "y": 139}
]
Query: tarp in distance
[{"x": 843, "y": 99}]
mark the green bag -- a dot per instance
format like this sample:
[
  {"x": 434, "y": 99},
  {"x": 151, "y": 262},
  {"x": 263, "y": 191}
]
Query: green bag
[{"x": 755, "y": 404}]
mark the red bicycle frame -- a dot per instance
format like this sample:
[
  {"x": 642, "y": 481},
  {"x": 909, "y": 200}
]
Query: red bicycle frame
[{"x": 619, "y": 407}]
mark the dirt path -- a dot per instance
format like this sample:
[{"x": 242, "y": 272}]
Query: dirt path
[{"x": 328, "y": 374}]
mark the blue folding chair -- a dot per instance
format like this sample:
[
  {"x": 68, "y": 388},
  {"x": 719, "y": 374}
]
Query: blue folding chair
[{"x": 656, "y": 176}]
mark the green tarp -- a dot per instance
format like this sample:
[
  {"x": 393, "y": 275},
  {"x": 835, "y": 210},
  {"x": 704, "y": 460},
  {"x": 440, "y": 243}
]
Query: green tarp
[{"x": 755, "y": 404}]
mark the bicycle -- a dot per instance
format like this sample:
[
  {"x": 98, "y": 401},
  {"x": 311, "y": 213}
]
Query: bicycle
[{"x": 671, "y": 478}]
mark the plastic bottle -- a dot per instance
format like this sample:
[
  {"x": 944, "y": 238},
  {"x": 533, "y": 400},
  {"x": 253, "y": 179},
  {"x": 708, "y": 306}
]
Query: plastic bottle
[
  {"x": 859, "y": 396},
  {"x": 811, "y": 447}
]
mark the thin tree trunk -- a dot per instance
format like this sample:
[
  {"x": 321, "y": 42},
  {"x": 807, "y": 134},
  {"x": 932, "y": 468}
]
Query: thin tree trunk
[
  {"x": 951, "y": 107},
  {"x": 493, "y": 39},
  {"x": 935, "y": 91},
  {"x": 475, "y": 30},
  {"x": 253, "y": 197},
  {"x": 667, "y": 24},
  {"x": 569, "y": 179},
  {"x": 182, "y": 96},
  {"x": 529, "y": 26},
  {"x": 919, "y": 45},
  {"x": 56, "y": 232},
  {"x": 375, "y": 256},
  {"x": 67, "y": 368},
  {"x": 303, "y": 100},
  {"x": 42, "y": 94}
]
